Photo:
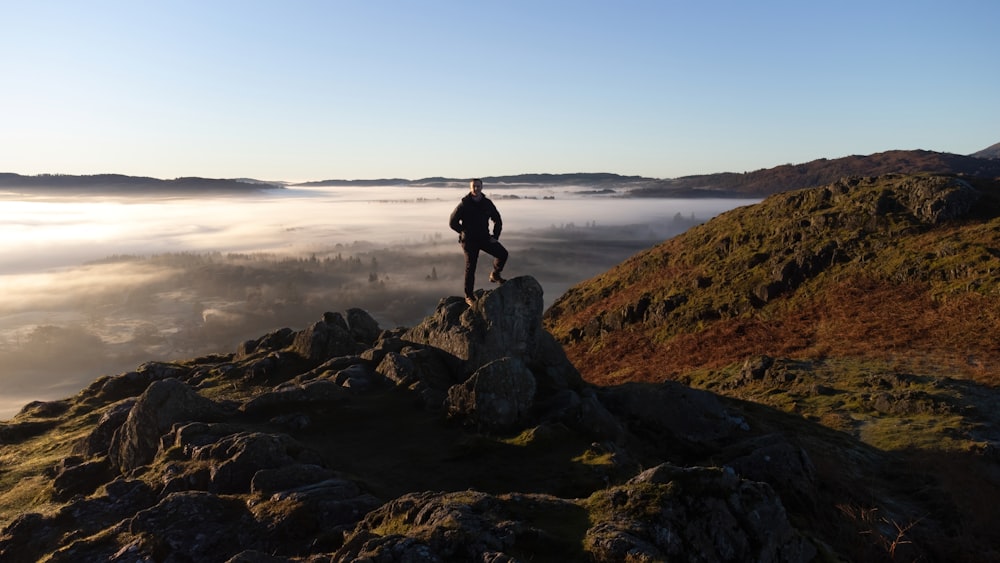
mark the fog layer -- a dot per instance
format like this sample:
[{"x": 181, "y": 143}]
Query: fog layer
[{"x": 94, "y": 286}]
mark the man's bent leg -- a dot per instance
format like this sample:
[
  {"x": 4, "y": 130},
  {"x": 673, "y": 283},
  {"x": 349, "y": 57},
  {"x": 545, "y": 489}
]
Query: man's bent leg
[{"x": 498, "y": 251}]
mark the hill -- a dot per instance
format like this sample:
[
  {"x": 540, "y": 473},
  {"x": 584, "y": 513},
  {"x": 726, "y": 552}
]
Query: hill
[
  {"x": 762, "y": 183},
  {"x": 990, "y": 152},
  {"x": 126, "y": 185},
  {"x": 870, "y": 306},
  {"x": 882, "y": 267}
]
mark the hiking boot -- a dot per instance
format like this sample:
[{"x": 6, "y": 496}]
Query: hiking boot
[
  {"x": 495, "y": 277},
  {"x": 470, "y": 301}
]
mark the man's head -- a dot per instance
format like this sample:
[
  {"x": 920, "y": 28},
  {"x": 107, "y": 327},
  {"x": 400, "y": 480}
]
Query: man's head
[{"x": 476, "y": 187}]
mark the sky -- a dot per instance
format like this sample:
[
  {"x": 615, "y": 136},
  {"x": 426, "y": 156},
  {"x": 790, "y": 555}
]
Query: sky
[{"x": 301, "y": 90}]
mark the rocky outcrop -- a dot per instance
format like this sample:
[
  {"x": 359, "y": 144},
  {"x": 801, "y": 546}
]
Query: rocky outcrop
[
  {"x": 503, "y": 323},
  {"x": 467, "y": 438},
  {"x": 664, "y": 514},
  {"x": 699, "y": 514}
]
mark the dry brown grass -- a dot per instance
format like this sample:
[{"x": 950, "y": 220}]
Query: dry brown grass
[{"x": 860, "y": 317}]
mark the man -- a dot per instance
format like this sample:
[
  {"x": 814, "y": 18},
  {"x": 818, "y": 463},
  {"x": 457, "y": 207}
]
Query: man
[{"x": 471, "y": 220}]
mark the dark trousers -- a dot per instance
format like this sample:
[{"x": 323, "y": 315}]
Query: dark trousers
[{"x": 472, "y": 248}]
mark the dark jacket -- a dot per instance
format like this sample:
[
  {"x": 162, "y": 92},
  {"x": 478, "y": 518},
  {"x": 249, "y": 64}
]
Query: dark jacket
[{"x": 471, "y": 219}]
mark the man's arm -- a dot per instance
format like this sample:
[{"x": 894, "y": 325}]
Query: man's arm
[
  {"x": 497, "y": 222},
  {"x": 455, "y": 222}
]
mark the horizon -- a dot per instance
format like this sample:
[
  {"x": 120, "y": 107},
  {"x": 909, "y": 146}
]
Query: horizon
[
  {"x": 439, "y": 177},
  {"x": 340, "y": 90}
]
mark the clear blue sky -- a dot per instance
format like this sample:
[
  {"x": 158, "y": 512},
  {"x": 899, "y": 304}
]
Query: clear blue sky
[{"x": 310, "y": 90}]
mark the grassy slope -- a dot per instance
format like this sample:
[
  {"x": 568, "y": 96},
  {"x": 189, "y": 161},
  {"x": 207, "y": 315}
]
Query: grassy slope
[{"x": 885, "y": 286}]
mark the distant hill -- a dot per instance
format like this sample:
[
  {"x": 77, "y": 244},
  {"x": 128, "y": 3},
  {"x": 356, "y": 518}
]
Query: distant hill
[
  {"x": 597, "y": 179},
  {"x": 121, "y": 184},
  {"x": 762, "y": 183},
  {"x": 357, "y": 183},
  {"x": 990, "y": 152}
]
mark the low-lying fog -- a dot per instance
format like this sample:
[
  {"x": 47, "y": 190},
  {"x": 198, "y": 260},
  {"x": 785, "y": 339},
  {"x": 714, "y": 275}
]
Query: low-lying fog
[{"x": 97, "y": 285}]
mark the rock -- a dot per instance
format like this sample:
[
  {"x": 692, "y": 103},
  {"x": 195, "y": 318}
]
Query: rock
[
  {"x": 505, "y": 322},
  {"x": 363, "y": 327},
  {"x": 937, "y": 199},
  {"x": 191, "y": 526},
  {"x": 235, "y": 459},
  {"x": 294, "y": 396},
  {"x": 679, "y": 416},
  {"x": 99, "y": 439},
  {"x": 360, "y": 378},
  {"x": 693, "y": 514},
  {"x": 774, "y": 460},
  {"x": 398, "y": 369},
  {"x": 267, "y": 482},
  {"x": 317, "y": 515},
  {"x": 383, "y": 346},
  {"x": 165, "y": 402},
  {"x": 754, "y": 369},
  {"x": 466, "y": 526},
  {"x": 271, "y": 342},
  {"x": 27, "y": 537},
  {"x": 325, "y": 339},
  {"x": 498, "y": 396},
  {"x": 74, "y": 476}
]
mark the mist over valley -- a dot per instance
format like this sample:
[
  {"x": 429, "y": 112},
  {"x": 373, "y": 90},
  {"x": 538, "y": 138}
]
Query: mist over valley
[{"x": 98, "y": 284}]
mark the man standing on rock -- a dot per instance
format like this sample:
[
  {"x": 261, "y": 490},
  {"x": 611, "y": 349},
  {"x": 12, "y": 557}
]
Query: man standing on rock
[{"x": 471, "y": 220}]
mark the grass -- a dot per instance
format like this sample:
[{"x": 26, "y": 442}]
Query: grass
[
  {"x": 884, "y": 287},
  {"x": 26, "y": 464}
]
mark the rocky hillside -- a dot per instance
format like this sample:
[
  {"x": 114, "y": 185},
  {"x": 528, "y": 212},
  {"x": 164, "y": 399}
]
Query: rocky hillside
[
  {"x": 899, "y": 268},
  {"x": 870, "y": 307},
  {"x": 469, "y": 437}
]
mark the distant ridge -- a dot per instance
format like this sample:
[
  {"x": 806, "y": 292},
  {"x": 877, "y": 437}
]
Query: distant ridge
[
  {"x": 120, "y": 183},
  {"x": 765, "y": 182},
  {"x": 760, "y": 183},
  {"x": 756, "y": 184},
  {"x": 570, "y": 179}
]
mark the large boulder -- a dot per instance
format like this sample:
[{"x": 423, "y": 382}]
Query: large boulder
[
  {"x": 163, "y": 403},
  {"x": 503, "y": 323},
  {"x": 498, "y": 396},
  {"x": 325, "y": 339}
]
